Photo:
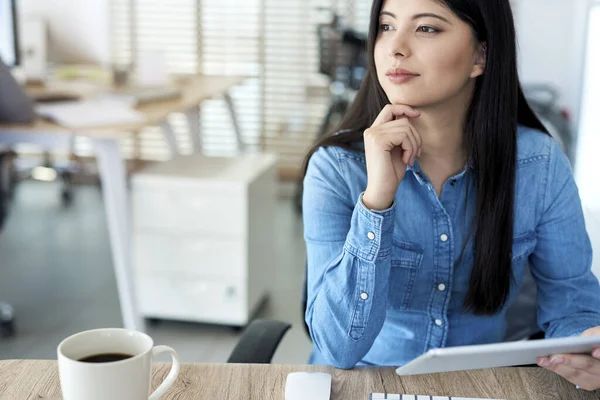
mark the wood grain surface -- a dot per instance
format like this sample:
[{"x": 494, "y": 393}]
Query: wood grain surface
[{"x": 31, "y": 379}]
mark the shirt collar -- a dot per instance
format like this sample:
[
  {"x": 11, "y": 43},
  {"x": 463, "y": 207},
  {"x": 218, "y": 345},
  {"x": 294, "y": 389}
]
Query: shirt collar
[{"x": 422, "y": 178}]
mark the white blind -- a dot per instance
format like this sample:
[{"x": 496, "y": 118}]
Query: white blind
[{"x": 272, "y": 42}]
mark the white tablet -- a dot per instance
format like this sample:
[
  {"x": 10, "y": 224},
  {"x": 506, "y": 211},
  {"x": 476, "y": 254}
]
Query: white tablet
[{"x": 496, "y": 355}]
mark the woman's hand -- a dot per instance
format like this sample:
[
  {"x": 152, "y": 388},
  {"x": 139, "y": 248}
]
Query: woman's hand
[
  {"x": 391, "y": 144},
  {"x": 582, "y": 370}
]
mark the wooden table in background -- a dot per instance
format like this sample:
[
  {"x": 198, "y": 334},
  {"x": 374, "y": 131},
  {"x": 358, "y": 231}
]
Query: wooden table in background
[
  {"x": 29, "y": 380},
  {"x": 106, "y": 142}
]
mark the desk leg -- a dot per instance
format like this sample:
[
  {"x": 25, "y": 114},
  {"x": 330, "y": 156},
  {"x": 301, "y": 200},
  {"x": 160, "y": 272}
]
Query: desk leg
[
  {"x": 234, "y": 121},
  {"x": 193, "y": 119},
  {"x": 170, "y": 137},
  {"x": 114, "y": 189}
]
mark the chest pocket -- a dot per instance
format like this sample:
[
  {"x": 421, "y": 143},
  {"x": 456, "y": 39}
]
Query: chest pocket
[{"x": 406, "y": 260}]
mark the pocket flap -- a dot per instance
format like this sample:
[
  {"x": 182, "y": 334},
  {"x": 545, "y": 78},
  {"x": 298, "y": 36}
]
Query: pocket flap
[{"x": 407, "y": 255}]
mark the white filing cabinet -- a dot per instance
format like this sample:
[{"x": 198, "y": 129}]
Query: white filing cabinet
[{"x": 203, "y": 244}]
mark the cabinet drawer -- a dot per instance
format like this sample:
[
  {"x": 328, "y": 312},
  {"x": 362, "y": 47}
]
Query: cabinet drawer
[
  {"x": 189, "y": 255},
  {"x": 189, "y": 210},
  {"x": 163, "y": 296}
]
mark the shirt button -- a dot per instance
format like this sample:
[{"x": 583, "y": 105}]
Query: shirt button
[
  {"x": 441, "y": 287},
  {"x": 453, "y": 182},
  {"x": 364, "y": 296},
  {"x": 439, "y": 322},
  {"x": 371, "y": 235},
  {"x": 444, "y": 238}
]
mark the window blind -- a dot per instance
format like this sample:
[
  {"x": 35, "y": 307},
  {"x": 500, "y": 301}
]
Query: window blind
[{"x": 271, "y": 42}]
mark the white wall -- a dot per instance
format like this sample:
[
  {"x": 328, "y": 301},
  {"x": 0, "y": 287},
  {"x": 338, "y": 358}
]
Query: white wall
[
  {"x": 550, "y": 36},
  {"x": 588, "y": 160},
  {"x": 78, "y": 29},
  {"x": 7, "y": 52},
  {"x": 592, "y": 221}
]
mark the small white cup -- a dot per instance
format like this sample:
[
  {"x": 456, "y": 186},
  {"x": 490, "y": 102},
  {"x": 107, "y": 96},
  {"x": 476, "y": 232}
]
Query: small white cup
[{"x": 127, "y": 379}]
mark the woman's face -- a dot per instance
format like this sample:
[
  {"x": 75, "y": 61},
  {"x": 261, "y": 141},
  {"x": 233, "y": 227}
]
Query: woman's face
[{"x": 424, "y": 54}]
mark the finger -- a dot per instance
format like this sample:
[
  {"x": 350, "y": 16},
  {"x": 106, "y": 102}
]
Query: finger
[
  {"x": 591, "y": 332},
  {"x": 400, "y": 138},
  {"x": 406, "y": 122},
  {"x": 417, "y": 140},
  {"x": 392, "y": 111},
  {"x": 579, "y": 377},
  {"x": 411, "y": 134},
  {"x": 395, "y": 123},
  {"x": 579, "y": 361},
  {"x": 415, "y": 144},
  {"x": 595, "y": 354},
  {"x": 409, "y": 154}
]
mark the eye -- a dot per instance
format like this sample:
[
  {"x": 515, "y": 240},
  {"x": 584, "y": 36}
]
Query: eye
[
  {"x": 427, "y": 29},
  {"x": 385, "y": 27}
]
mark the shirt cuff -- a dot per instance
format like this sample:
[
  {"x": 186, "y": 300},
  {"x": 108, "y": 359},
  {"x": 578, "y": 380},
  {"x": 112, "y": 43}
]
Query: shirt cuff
[{"x": 370, "y": 236}]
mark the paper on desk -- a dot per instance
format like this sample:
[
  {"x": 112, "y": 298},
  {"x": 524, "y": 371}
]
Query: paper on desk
[{"x": 89, "y": 113}]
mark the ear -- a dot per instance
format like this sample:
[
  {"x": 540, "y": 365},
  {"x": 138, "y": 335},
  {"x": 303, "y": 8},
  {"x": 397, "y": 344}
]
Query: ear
[{"x": 480, "y": 60}]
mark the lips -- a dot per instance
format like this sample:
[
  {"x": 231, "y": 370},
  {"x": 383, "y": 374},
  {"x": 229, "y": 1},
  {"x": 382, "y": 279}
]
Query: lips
[
  {"x": 400, "y": 71},
  {"x": 400, "y": 75}
]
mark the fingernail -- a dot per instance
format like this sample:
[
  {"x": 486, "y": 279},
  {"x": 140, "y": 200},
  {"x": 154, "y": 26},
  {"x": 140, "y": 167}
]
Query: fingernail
[
  {"x": 544, "y": 362},
  {"x": 420, "y": 151},
  {"x": 557, "y": 360},
  {"x": 596, "y": 353}
]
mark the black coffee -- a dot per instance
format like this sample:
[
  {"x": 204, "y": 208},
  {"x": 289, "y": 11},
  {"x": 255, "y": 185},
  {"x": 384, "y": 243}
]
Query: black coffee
[{"x": 105, "y": 357}]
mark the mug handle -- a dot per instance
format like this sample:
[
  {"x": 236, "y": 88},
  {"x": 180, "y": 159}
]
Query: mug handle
[{"x": 170, "y": 379}]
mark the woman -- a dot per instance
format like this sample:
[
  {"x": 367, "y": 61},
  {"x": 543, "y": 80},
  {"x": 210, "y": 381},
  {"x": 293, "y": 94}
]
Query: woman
[{"x": 420, "y": 214}]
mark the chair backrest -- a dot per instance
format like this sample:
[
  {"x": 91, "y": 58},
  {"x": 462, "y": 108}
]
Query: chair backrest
[
  {"x": 521, "y": 316},
  {"x": 305, "y": 300},
  {"x": 259, "y": 342}
]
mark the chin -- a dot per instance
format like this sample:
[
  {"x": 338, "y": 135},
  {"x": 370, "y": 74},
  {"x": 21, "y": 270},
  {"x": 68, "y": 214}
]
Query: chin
[
  {"x": 413, "y": 101},
  {"x": 404, "y": 96},
  {"x": 413, "y": 97}
]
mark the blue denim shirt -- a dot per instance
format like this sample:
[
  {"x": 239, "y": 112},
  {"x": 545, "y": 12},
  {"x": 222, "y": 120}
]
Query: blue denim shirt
[{"x": 385, "y": 287}]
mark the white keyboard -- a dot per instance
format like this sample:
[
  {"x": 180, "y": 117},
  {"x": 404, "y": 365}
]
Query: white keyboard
[{"x": 388, "y": 396}]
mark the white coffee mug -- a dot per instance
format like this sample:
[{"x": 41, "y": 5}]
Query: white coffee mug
[{"x": 128, "y": 379}]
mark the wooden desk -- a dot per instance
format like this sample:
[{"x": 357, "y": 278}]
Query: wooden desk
[
  {"x": 195, "y": 89},
  {"x": 105, "y": 139},
  {"x": 26, "y": 379}
]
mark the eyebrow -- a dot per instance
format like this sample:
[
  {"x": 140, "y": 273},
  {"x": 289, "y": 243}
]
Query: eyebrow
[{"x": 417, "y": 16}]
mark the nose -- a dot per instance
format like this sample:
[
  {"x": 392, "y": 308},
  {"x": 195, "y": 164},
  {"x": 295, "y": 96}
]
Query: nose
[{"x": 398, "y": 46}]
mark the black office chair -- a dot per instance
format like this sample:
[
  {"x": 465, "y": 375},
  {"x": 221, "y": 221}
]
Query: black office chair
[
  {"x": 261, "y": 338},
  {"x": 259, "y": 342}
]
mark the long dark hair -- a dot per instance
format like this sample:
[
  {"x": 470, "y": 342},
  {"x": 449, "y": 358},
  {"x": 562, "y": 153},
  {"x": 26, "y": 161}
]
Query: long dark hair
[{"x": 497, "y": 106}]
